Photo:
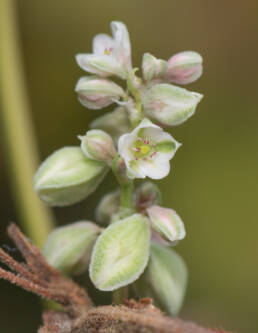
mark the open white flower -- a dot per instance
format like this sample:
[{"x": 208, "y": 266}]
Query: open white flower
[
  {"x": 147, "y": 151},
  {"x": 111, "y": 56}
]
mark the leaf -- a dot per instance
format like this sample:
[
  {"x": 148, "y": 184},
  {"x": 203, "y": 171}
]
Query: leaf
[{"x": 121, "y": 253}]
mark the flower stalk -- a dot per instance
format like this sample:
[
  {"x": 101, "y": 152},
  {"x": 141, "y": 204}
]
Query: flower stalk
[
  {"x": 18, "y": 130},
  {"x": 134, "y": 246}
]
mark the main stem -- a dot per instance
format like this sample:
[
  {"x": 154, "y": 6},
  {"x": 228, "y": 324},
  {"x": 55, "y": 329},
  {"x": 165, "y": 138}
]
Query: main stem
[{"x": 17, "y": 127}]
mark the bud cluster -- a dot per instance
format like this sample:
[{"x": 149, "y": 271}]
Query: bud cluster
[{"x": 130, "y": 141}]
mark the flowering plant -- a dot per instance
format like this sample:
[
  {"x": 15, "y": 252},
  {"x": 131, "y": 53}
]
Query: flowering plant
[{"x": 132, "y": 251}]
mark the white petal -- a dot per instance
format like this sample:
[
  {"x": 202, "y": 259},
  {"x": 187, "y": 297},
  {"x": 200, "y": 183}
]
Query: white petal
[
  {"x": 122, "y": 48},
  {"x": 154, "y": 168},
  {"x": 124, "y": 144},
  {"x": 102, "y": 42},
  {"x": 101, "y": 65},
  {"x": 134, "y": 169}
]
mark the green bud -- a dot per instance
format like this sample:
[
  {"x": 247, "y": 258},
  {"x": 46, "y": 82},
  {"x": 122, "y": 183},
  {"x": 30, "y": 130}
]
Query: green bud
[
  {"x": 68, "y": 248},
  {"x": 108, "y": 206},
  {"x": 121, "y": 253},
  {"x": 170, "y": 105},
  {"x": 68, "y": 176},
  {"x": 114, "y": 123},
  {"x": 164, "y": 280},
  {"x": 98, "y": 145},
  {"x": 147, "y": 194},
  {"x": 152, "y": 67}
]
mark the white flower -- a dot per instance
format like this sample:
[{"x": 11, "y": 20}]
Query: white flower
[
  {"x": 111, "y": 56},
  {"x": 147, "y": 151}
]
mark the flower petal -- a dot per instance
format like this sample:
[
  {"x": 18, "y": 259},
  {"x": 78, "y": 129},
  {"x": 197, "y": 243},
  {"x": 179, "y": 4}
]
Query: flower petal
[
  {"x": 155, "y": 168},
  {"x": 102, "y": 43},
  {"x": 101, "y": 65},
  {"x": 122, "y": 49}
]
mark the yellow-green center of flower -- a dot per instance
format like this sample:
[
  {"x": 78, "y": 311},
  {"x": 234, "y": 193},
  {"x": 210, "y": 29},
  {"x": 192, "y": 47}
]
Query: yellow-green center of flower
[
  {"x": 108, "y": 51},
  {"x": 143, "y": 148}
]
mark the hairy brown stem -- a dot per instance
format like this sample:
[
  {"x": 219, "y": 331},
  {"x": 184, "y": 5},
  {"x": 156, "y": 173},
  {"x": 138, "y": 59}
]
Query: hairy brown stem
[{"x": 79, "y": 315}]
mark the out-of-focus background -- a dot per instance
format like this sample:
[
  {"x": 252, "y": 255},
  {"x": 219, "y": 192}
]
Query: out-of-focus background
[{"x": 214, "y": 184}]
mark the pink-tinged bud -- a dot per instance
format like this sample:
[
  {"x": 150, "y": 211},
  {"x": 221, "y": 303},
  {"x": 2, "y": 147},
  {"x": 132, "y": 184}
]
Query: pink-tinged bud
[
  {"x": 96, "y": 93},
  {"x": 98, "y": 145},
  {"x": 184, "y": 67},
  {"x": 167, "y": 223}
]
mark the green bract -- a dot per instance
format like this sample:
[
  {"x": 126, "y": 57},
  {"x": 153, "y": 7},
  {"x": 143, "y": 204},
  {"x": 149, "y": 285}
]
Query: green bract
[
  {"x": 121, "y": 253},
  {"x": 68, "y": 248},
  {"x": 165, "y": 279},
  {"x": 68, "y": 176},
  {"x": 170, "y": 105}
]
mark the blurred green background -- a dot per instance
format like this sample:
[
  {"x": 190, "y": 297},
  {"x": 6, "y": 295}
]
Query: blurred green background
[{"x": 214, "y": 184}]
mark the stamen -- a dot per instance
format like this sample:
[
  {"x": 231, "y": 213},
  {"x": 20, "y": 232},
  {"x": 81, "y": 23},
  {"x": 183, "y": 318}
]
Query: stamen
[
  {"x": 108, "y": 51},
  {"x": 153, "y": 154}
]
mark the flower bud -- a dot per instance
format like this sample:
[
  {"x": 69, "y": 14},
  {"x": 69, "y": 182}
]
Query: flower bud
[
  {"x": 98, "y": 145},
  {"x": 114, "y": 123},
  {"x": 167, "y": 223},
  {"x": 108, "y": 206},
  {"x": 68, "y": 176},
  {"x": 68, "y": 248},
  {"x": 170, "y": 105},
  {"x": 121, "y": 253},
  {"x": 146, "y": 195},
  {"x": 184, "y": 67},
  {"x": 152, "y": 67},
  {"x": 164, "y": 279},
  {"x": 96, "y": 93}
]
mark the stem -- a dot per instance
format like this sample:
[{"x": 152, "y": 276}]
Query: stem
[
  {"x": 126, "y": 196},
  {"x": 119, "y": 295},
  {"x": 18, "y": 130},
  {"x": 126, "y": 184}
]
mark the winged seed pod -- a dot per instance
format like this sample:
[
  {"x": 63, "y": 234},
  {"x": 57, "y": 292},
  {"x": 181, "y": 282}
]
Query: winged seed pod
[
  {"x": 98, "y": 145},
  {"x": 68, "y": 248},
  {"x": 68, "y": 176},
  {"x": 96, "y": 93},
  {"x": 164, "y": 279},
  {"x": 121, "y": 253},
  {"x": 167, "y": 223},
  {"x": 170, "y": 105}
]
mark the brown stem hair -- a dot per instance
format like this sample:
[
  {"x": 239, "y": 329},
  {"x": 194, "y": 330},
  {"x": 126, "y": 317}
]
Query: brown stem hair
[{"x": 79, "y": 315}]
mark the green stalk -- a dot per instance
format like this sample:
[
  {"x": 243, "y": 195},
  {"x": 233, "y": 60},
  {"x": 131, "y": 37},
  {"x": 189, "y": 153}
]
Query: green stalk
[{"x": 16, "y": 124}]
